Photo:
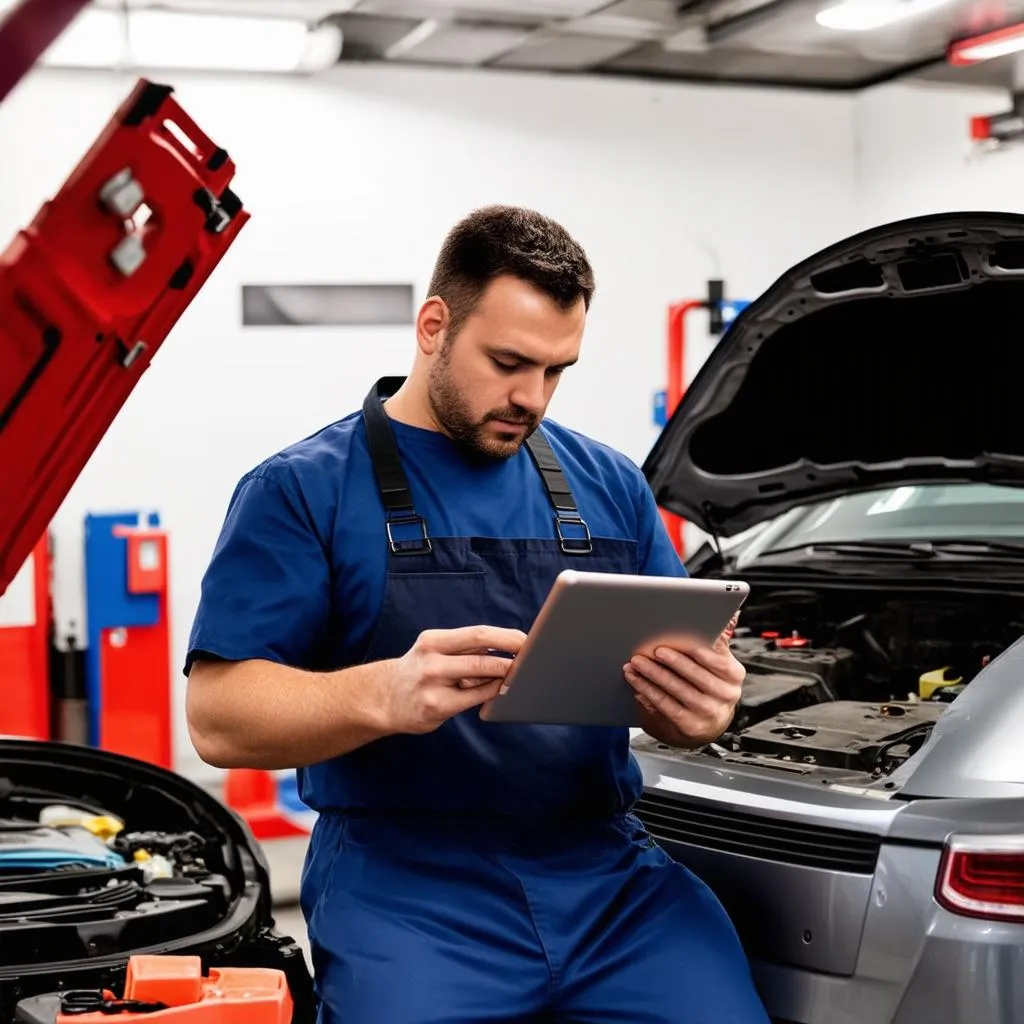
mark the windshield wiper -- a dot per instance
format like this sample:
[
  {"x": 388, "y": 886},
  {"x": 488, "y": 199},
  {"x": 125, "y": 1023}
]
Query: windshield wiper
[
  {"x": 917, "y": 550},
  {"x": 1000, "y": 548},
  {"x": 869, "y": 549}
]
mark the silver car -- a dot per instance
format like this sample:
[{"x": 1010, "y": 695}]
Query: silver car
[{"x": 853, "y": 448}]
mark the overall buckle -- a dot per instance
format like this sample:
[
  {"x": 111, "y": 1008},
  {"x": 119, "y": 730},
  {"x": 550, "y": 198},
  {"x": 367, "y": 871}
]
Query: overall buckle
[
  {"x": 416, "y": 546},
  {"x": 573, "y": 545}
]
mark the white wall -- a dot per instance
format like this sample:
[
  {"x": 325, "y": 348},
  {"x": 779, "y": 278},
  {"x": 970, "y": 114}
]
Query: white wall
[
  {"x": 914, "y": 154},
  {"x": 357, "y": 177}
]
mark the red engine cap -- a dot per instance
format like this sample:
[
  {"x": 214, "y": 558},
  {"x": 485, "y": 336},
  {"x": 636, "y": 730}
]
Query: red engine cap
[{"x": 793, "y": 641}]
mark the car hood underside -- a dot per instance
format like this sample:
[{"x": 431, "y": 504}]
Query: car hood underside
[{"x": 890, "y": 358}]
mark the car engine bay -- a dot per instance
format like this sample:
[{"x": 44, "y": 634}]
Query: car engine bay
[
  {"x": 74, "y": 884},
  {"x": 102, "y": 857},
  {"x": 846, "y": 685}
]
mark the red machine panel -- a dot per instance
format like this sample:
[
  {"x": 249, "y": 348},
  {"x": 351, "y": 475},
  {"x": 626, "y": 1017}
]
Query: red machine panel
[
  {"x": 89, "y": 292},
  {"x": 135, "y": 718},
  {"x": 130, "y": 694}
]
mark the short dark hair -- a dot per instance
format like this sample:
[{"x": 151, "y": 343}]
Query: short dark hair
[{"x": 499, "y": 240}]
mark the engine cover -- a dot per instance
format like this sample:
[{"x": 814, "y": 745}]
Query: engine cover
[
  {"x": 844, "y": 734},
  {"x": 781, "y": 678}
]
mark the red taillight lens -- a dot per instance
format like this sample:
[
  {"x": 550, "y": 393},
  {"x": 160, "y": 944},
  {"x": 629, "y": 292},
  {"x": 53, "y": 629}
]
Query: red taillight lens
[{"x": 983, "y": 876}]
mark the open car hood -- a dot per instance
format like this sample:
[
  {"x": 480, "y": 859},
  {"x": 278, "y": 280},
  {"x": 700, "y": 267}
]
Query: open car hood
[{"x": 892, "y": 357}]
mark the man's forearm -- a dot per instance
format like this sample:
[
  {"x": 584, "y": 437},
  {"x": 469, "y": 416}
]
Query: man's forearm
[{"x": 258, "y": 714}]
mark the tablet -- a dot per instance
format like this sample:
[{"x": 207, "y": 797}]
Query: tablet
[{"x": 569, "y": 670}]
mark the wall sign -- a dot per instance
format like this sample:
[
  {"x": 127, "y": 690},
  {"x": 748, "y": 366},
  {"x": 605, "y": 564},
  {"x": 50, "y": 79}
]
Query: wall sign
[{"x": 327, "y": 305}]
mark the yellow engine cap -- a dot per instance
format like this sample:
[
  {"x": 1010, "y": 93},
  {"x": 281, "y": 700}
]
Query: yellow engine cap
[{"x": 932, "y": 681}]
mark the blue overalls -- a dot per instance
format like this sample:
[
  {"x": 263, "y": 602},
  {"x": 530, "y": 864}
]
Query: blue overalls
[{"x": 490, "y": 872}]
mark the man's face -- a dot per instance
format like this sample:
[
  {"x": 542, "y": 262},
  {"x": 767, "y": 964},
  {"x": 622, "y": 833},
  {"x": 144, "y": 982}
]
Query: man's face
[{"x": 490, "y": 385}]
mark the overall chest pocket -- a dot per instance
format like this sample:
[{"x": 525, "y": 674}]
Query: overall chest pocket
[{"x": 417, "y": 601}]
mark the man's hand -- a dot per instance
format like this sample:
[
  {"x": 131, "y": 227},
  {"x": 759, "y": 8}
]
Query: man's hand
[
  {"x": 687, "y": 698},
  {"x": 446, "y": 672}
]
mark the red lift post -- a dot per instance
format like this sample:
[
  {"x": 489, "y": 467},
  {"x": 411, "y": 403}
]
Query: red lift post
[
  {"x": 675, "y": 365},
  {"x": 720, "y": 314}
]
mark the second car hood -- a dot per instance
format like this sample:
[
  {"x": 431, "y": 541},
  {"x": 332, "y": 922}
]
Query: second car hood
[{"x": 893, "y": 357}]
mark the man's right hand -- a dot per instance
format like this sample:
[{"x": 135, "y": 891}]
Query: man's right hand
[{"x": 446, "y": 672}]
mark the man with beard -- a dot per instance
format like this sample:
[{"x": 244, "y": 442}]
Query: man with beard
[{"x": 463, "y": 871}]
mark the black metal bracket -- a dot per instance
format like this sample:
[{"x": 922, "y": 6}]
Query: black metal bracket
[
  {"x": 418, "y": 546},
  {"x": 573, "y": 545}
]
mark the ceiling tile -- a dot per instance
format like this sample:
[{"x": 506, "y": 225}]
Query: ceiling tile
[
  {"x": 998, "y": 73},
  {"x": 746, "y": 65},
  {"x": 440, "y": 43},
  {"x": 615, "y": 25},
  {"x": 661, "y": 12},
  {"x": 499, "y": 10},
  {"x": 563, "y": 52},
  {"x": 368, "y": 37}
]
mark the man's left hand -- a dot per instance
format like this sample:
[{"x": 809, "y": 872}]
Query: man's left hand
[{"x": 687, "y": 697}]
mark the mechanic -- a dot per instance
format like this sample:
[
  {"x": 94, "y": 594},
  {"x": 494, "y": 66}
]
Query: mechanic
[{"x": 364, "y": 579}]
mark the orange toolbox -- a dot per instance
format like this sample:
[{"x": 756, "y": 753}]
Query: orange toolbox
[{"x": 171, "y": 989}]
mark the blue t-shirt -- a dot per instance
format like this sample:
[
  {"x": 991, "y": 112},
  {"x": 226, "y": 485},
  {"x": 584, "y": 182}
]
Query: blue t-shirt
[{"x": 298, "y": 572}]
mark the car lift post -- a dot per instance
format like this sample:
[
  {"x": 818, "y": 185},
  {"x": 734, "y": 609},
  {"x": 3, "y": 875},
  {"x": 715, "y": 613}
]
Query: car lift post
[
  {"x": 675, "y": 365},
  {"x": 27, "y": 32},
  {"x": 721, "y": 313}
]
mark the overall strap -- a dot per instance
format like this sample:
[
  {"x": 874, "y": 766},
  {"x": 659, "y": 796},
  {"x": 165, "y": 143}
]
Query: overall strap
[
  {"x": 387, "y": 468},
  {"x": 573, "y": 532},
  {"x": 577, "y": 540}
]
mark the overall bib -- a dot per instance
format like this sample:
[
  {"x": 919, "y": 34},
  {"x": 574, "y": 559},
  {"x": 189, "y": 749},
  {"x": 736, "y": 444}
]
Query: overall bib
[{"x": 489, "y": 872}]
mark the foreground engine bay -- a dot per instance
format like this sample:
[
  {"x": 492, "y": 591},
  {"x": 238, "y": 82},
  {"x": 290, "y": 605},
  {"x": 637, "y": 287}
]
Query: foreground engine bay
[
  {"x": 102, "y": 857},
  {"x": 846, "y": 685},
  {"x": 75, "y": 884}
]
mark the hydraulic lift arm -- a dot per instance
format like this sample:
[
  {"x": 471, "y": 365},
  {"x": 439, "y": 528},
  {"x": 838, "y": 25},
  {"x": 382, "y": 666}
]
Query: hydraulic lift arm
[{"x": 92, "y": 287}]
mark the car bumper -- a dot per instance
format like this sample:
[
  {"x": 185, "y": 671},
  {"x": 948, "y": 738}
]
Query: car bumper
[{"x": 844, "y": 947}]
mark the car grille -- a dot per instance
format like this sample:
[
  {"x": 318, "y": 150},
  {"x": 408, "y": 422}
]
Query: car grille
[{"x": 787, "y": 842}]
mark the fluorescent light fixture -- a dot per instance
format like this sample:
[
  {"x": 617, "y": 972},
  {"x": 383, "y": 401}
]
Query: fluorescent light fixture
[
  {"x": 1000, "y": 43},
  {"x": 865, "y": 15},
  {"x": 164, "y": 39}
]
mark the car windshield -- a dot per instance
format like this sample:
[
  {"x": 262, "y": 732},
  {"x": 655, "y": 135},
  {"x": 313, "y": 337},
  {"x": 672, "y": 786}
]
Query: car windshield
[{"x": 931, "y": 512}]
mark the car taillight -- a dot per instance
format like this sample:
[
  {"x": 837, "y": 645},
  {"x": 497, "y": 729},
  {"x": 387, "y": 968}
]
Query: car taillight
[{"x": 983, "y": 876}]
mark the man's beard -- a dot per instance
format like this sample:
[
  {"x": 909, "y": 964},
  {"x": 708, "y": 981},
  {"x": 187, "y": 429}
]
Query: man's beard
[{"x": 453, "y": 415}]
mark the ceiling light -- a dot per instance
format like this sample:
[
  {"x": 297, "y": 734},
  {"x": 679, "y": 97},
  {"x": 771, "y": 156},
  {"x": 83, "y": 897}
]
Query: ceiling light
[
  {"x": 865, "y": 15},
  {"x": 965, "y": 52},
  {"x": 164, "y": 39}
]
